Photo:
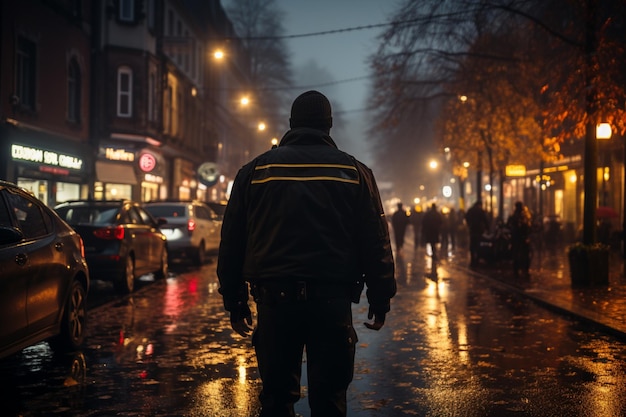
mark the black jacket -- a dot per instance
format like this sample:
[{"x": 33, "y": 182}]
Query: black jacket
[{"x": 305, "y": 211}]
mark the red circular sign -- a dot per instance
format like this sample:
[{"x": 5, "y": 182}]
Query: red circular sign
[{"x": 147, "y": 162}]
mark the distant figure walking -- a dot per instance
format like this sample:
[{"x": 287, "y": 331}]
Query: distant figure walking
[
  {"x": 431, "y": 228},
  {"x": 520, "y": 225},
  {"x": 417, "y": 215},
  {"x": 399, "y": 222},
  {"x": 477, "y": 223},
  {"x": 453, "y": 227}
]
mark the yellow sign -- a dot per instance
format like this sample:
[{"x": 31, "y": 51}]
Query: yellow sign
[{"x": 515, "y": 170}]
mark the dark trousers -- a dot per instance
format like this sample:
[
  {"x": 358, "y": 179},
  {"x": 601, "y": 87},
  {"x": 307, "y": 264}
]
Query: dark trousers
[
  {"x": 322, "y": 326},
  {"x": 521, "y": 255},
  {"x": 474, "y": 248}
]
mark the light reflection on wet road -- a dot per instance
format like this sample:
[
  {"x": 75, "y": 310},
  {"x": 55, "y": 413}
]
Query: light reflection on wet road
[{"x": 455, "y": 347}]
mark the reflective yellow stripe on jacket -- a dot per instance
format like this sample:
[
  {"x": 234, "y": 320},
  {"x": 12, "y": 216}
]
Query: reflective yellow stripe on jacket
[{"x": 305, "y": 172}]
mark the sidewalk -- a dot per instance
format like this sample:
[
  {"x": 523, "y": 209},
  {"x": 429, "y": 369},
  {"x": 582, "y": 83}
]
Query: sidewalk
[{"x": 549, "y": 284}]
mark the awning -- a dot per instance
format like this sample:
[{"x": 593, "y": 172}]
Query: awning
[{"x": 111, "y": 172}]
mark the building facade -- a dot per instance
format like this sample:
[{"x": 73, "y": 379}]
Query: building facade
[
  {"x": 116, "y": 99},
  {"x": 45, "y": 75}
]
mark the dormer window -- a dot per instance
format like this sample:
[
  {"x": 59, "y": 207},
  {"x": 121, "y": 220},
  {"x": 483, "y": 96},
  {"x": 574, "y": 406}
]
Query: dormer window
[{"x": 127, "y": 11}]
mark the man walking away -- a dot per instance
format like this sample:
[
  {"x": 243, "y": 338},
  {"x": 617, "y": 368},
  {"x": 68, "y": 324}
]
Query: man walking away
[
  {"x": 399, "y": 222},
  {"x": 305, "y": 229},
  {"x": 520, "y": 225},
  {"x": 477, "y": 223},
  {"x": 431, "y": 228},
  {"x": 416, "y": 221}
]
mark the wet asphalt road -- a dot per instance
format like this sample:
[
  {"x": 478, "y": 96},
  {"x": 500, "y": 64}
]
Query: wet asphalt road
[{"x": 457, "y": 346}]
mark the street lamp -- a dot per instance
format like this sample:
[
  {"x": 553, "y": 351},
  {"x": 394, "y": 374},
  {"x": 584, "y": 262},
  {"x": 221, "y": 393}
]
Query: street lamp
[
  {"x": 218, "y": 54},
  {"x": 603, "y": 132}
]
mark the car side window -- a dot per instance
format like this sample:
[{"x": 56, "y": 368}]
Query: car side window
[
  {"x": 203, "y": 213},
  {"x": 145, "y": 217},
  {"x": 200, "y": 214},
  {"x": 134, "y": 216},
  {"x": 5, "y": 217},
  {"x": 32, "y": 220}
]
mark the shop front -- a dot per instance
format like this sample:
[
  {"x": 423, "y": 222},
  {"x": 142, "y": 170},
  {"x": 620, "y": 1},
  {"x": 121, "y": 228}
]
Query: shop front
[
  {"x": 152, "y": 169},
  {"x": 116, "y": 178},
  {"x": 128, "y": 171},
  {"x": 54, "y": 168},
  {"x": 184, "y": 180}
]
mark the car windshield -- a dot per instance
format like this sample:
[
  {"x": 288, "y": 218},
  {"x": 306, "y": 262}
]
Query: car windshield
[
  {"x": 95, "y": 215},
  {"x": 166, "y": 211}
]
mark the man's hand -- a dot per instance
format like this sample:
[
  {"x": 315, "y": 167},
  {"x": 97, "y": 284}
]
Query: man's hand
[
  {"x": 241, "y": 321},
  {"x": 243, "y": 326},
  {"x": 379, "y": 320}
]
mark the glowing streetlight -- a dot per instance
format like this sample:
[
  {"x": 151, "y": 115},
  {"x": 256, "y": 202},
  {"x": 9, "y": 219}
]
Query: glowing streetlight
[
  {"x": 218, "y": 54},
  {"x": 433, "y": 164},
  {"x": 603, "y": 131},
  {"x": 244, "y": 101},
  {"x": 261, "y": 126}
]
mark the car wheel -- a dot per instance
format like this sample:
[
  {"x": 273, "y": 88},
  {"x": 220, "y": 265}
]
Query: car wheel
[
  {"x": 126, "y": 283},
  {"x": 164, "y": 269},
  {"x": 200, "y": 257},
  {"x": 73, "y": 322}
]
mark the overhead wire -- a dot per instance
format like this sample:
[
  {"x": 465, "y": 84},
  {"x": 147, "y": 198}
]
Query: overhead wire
[{"x": 323, "y": 33}]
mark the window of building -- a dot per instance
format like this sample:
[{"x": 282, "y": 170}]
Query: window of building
[
  {"x": 167, "y": 109},
  {"x": 170, "y": 23},
  {"x": 152, "y": 97},
  {"x": 25, "y": 73},
  {"x": 77, "y": 8},
  {"x": 150, "y": 14},
  {"x": 73, "y": 91},
  {"x": 127, "y": 10},
  {"x": 124, "y": 92}
]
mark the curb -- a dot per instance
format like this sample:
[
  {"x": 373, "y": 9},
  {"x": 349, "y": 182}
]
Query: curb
[{"x": 556, "y": 304}]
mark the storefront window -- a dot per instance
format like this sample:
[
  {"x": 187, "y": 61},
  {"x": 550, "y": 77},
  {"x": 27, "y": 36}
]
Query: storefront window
[
  {"x": 38, "y": 187},
  {"x": 184, "y": 193},
  {"x": 118, "y": 191},
  {"x": 67, "y": 191},
  {"x": 149, "y": 191}
]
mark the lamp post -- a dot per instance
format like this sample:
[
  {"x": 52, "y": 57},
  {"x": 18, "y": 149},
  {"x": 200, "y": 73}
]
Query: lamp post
[{"x": 603, "y": 132}]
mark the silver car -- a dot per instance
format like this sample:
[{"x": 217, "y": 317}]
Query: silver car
[{"x": 192, "y": 228}]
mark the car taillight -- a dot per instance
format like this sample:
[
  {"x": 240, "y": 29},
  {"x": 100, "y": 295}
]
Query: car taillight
[
  {"x": 191, "y": 225},
  {"x": 110, "y": 233}
]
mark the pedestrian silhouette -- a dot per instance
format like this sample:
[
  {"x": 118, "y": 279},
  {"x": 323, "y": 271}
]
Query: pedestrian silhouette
[
  {"x": 399, "y": 222},
  {"x": 305, "y": 229},
  {"x": 416, "y": 222},
  {"x": 520, "y": 225},
  {"x": 431, "y": 228},
  {"x": 477, "y": 223}
]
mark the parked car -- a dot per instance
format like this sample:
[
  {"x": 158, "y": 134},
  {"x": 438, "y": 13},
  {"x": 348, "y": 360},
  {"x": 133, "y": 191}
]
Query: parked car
[
  {"x": 44, "y": 277},
  {"x": 219, "y": 207},
  {"x": 192, "y": 228},
  {"x": 122, "y": 240}
]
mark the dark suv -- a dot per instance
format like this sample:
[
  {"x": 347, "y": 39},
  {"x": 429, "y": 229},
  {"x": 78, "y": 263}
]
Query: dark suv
[
  {"x": 122, "y": 240},
  {"x": 192, "y": 228},
  {"x": 44, "y": 279}
]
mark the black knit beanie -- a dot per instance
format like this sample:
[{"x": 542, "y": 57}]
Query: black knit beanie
[{"x": 311, "y": 109}]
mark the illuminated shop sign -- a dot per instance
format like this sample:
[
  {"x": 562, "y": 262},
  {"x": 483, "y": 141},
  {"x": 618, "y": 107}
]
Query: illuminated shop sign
[
  {"x": 515, "y": 170},
  {"x": 153, "y": 178},
  {"x": 114, "y": 154},
  {"x": 41, "y": 156},
  {"x": 147, "y": 162}
]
